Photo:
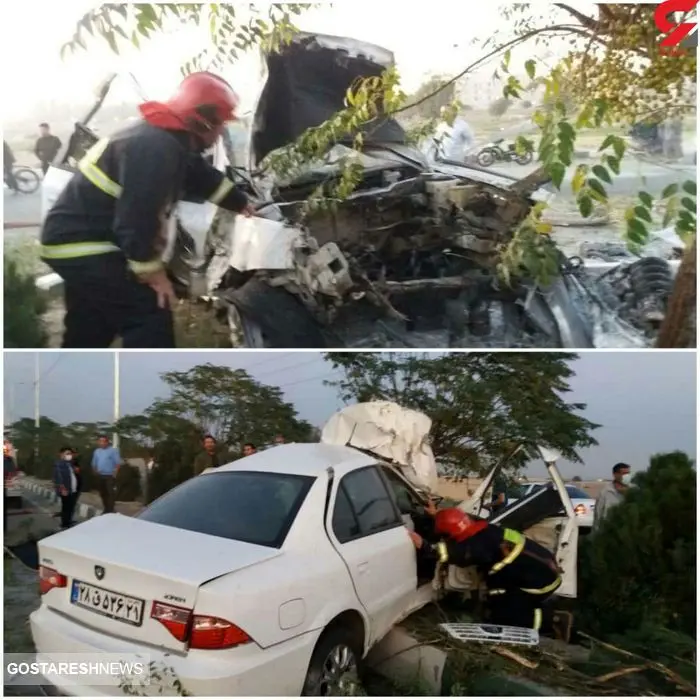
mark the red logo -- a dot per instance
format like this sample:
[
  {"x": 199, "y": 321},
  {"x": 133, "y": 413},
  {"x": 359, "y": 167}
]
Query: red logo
[{"x": 674, "y": 32}]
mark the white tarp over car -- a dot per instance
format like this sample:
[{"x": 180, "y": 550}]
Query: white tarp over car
[{"x": 389, "y": 431}]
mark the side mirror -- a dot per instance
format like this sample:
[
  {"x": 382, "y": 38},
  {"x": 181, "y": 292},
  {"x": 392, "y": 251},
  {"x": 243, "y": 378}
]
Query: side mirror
[{"x": 549, "y": 455}]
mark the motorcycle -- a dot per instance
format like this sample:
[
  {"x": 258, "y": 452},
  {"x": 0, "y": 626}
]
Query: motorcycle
[{"x": 496, "y": 152}]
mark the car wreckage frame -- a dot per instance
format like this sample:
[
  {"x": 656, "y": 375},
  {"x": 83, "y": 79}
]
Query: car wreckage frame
[{"x": 408, "y": 259}]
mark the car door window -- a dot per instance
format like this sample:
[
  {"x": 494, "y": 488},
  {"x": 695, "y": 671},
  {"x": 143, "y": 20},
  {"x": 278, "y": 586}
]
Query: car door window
[
  {"x": 367, "y": 497},
  {"x": 345, "y": 525},
  {"x": 407, "y": 500}
]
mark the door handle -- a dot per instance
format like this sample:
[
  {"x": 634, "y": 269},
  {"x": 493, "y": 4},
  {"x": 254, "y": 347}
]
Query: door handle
[{"x": 363, "y": 567}]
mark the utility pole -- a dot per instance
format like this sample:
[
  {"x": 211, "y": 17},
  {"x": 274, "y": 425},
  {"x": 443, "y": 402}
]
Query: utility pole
[
  {"x": 37, "y": 413},
  {"x": 11, "y": 412},
  {"x": 115, "y": 435}
]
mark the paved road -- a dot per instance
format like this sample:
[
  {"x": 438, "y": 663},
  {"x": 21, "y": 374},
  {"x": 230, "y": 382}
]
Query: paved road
[
  {"x": 21, "y": 590},
  {"x": 635, "y": 176}
]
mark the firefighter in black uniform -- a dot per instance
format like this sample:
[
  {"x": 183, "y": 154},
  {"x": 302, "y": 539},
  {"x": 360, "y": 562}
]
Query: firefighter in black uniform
[
  {"x": 519, "y": 573},
  {"x": 106, "y": 233}
]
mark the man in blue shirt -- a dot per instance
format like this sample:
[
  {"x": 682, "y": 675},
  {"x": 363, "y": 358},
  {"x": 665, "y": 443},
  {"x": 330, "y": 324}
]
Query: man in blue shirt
[{"x": 105, "y": 463}]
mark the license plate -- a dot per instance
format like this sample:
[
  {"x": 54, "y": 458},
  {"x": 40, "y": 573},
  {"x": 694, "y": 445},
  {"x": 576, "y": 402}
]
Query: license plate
[{"x": 108, "y": 603}]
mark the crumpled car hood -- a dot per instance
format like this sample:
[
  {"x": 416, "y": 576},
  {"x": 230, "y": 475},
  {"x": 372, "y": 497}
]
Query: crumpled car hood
[
  {"x": 389, "y": 431},
  {"x": 306, "y": 84}
]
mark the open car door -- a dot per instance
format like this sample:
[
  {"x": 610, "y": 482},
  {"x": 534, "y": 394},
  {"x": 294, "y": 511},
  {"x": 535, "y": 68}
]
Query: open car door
[{"x": 545, "y": 516}]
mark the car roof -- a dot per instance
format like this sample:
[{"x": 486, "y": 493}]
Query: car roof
[{"x": 302, "y": 458}]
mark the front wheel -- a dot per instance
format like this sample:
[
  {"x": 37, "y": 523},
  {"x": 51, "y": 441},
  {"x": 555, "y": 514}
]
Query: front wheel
[
  {"x": 333, "y": 669},
  {"x": 485, "y": 157},
  {"x": 271, "y": 317},
  {"x": 27, "y": 180}
]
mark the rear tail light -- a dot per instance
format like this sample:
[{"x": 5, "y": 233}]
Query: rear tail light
[
  {"x": 580, "y": 509},
  {"x": 199, "y": 631},
  {"x": 48, "y": 579}
]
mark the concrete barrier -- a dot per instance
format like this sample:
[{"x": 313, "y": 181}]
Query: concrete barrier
[{"x": 84, "y": 510}]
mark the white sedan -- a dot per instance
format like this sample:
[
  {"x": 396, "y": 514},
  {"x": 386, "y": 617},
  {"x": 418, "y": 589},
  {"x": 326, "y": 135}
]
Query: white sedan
[
  {"x": 273, "y": 575},
  {"x": 270, "y": 576}
]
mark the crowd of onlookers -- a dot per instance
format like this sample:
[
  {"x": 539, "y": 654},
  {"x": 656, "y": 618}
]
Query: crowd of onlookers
[{"x": 68, "y": 475}]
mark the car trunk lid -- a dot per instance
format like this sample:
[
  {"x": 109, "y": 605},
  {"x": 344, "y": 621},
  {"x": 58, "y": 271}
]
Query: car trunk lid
[{"x": 116, "y": 567}]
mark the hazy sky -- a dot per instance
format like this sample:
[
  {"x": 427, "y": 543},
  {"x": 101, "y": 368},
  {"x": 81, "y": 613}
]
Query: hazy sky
[
  {"x": 35, "y": 31},
  {"x": 646, "y": 402}
]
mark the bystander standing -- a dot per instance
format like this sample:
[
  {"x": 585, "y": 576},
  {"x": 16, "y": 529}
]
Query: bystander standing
[
  {"x": 612, "y": 494},
  {"x": 105, "y": 463}
]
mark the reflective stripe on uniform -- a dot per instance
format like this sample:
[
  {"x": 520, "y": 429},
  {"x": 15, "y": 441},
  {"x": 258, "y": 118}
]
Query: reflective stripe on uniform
[
  {"x": 66, "y": 251},
  {"x": 545, "y": 589},
  {"x": 538, "y": 619},
  {"x": 143, "y": 268},
  {"x": 441, "y": 549},
  {"x": 88, "y": 167},
  {"x": 221, "y": 191},
  {"x": 497, "y": 591},
  {"x": 518, "y": 542}
]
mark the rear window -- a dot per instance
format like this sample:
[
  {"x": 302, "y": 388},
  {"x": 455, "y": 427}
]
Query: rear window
[
  {"x": 575, "y": 492},
  {"x": 254, "y": 507}
]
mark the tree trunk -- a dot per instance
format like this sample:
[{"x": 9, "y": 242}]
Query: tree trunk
[
  {"x": 532, "y": 182},
  {"x": 678, "y": 329}
]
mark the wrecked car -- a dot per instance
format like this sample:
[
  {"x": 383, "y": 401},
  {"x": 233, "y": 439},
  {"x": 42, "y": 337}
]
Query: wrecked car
[
  {"x": 272, "y": 575},
  {"x": 408, "y": 259}
]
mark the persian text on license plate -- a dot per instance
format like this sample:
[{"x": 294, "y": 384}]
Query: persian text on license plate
[{"x": 108, "y": 603}]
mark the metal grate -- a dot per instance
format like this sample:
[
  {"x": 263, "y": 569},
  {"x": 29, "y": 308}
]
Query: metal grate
[{"x": 468, "y": 632}]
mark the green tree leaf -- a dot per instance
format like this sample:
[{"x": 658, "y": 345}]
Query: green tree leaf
[
  {"x": 613, "y": 164},
  {"x": 579, "y": 178},
  {"x": 597, "y": 190},
  {"x": 643, "y": 214},
  {"x": 646, "y": 199},
  {"x": 585, "y": 205},
  {"x": 669, "y": 190},
  {"x": 689, "y": 204},
  {"x": 691, "y": 188},
  {"x": 557, "y": 172},
  {"x": 602, "y": 174},
  {"x": 530, "y": 68}
]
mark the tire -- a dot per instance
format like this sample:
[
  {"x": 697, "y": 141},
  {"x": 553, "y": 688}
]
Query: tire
[
  {"x": 486, "y": 158},
  {"x": 271, "y": 317},
  {"x": 334, "y": 665},
  {"x": 524, "y": 159},
  {"x": 27, "y": 180}
]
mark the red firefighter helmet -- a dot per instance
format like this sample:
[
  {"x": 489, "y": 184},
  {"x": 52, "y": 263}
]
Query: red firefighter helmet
[
  {"x": 205, "y": 102},
  {"x": 456, "y": 524}
]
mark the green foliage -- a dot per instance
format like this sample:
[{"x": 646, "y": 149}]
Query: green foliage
[
  {"x": 230, "y": 34},
  {"x": 530, "y": 253},
  {"x": 679, "y": 203},
  {"x": 640, "y": 568},
  {"x": 128, "y": 483},
  {"x": 481, "y": 404},
  {"x": 23, "y": 307},
  {"x": 205, "y": 399}
]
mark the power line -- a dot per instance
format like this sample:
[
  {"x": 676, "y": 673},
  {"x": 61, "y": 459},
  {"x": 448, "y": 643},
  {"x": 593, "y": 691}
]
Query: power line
[
  {"x": 327, "y": 375},
  {"x": 287, "y": 367},
  {"x": 46, "y": 373}
]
